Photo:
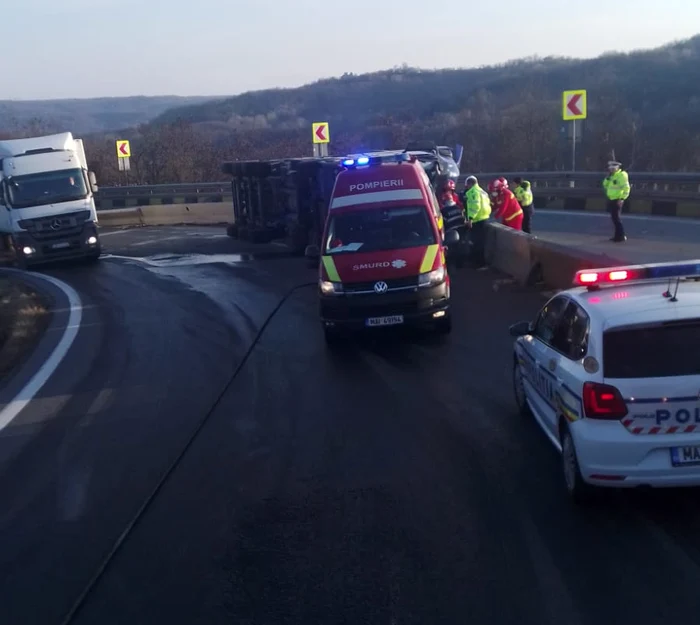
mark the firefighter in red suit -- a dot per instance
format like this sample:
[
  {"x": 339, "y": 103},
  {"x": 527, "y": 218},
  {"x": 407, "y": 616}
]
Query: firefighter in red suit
[
  {"x": 506, "y": 207},
  {"x": 449, "y": 187}
]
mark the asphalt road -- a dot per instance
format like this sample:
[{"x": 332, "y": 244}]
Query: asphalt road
[
  {"x": 652, "y": 229},
  {"x": 650, "y": 239},
  {"x": 391, "y": 481}
]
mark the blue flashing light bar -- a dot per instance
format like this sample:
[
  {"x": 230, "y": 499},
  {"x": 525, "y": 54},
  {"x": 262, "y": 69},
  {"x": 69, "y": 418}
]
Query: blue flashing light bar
[
  {"x": 363, "y": 161},
  {"x": 593, "y": 278}
]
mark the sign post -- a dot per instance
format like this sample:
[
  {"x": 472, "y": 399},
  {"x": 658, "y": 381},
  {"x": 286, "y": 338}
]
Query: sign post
[
  {"x": 321, "y": 137},
  {"x": 574, "y": 106},
  {"x": 123, "y": 156}
]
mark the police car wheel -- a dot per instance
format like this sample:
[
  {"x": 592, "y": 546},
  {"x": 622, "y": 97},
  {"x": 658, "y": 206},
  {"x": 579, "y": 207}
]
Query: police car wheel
[
  {"x": 519, "y": 390},
  {"x": 579, "y": 491}
]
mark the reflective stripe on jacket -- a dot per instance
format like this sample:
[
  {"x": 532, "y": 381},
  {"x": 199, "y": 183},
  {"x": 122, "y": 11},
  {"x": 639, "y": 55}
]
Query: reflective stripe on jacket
[
  {"x": 477, "y": 204},
  {"x": 617, "y": 185},
  {"x": 508, "y": 207},
  {"x": 523, "y": 192}
]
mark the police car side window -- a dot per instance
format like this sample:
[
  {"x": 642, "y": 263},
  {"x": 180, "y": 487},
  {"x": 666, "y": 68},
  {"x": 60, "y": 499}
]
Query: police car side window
[
  {"x": 549, "y": 318},
  {"x": 571, "y": 335}
]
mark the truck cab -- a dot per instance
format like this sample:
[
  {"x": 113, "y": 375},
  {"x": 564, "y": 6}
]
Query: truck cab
[{"x": 47, "y": 200}]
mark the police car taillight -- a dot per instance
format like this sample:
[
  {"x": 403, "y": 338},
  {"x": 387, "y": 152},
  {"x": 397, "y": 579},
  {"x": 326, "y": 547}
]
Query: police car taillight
[
  {"x": 602, "y": 401},
  {"x": 656, "y": 271}
]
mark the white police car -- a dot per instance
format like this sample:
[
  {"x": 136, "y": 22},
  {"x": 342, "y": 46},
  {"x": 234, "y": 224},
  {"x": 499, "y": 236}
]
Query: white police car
[{"x": 611, "y": 371}]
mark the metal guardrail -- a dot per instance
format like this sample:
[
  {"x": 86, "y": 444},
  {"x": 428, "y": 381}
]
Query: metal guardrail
[
  {"x": 166, "y": 190},
  {"x": 661, "y": 185}
]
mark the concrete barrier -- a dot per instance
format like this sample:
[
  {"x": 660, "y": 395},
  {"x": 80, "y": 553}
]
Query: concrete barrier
[
  {"x": 120, "y": 217},
  {"x": 214, "y": 213},
  {"x": 167, "y": 215},
  {"x": 509, "y": 251},
  {"x": 531, "y": 260},
  {"x": 556, "y": 265}
]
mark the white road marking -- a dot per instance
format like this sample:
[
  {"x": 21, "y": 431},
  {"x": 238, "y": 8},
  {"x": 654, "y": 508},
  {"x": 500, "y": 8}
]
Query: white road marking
[
  {"x": 109, "y": 234},
  {"x": 31, "y": 388}
]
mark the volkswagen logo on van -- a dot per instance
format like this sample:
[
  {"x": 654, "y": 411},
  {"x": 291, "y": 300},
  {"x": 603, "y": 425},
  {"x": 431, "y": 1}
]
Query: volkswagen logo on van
[{"x": 381, "y": 287}]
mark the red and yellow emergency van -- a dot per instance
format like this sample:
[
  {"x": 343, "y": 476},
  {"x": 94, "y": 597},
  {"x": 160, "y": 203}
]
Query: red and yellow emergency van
[{"x": 382, "y": 256}]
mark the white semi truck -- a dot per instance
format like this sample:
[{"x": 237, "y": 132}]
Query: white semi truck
[{"x": 47, "y": 202}]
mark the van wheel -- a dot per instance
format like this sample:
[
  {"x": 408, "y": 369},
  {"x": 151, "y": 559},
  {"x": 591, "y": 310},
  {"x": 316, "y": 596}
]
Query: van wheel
[
  {"x": 579, "y": 491},
  {"x": 444, "y": 325},
  {"x": 332, "y": 336}
]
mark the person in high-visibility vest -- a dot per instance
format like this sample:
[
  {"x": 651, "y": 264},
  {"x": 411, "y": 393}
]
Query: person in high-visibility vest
[
  {"x": 477, "y": 207},
  {"x": 523, "y": 193},
  {"x": 617, "y": 190},
  {"x": 507, "y": 208}
]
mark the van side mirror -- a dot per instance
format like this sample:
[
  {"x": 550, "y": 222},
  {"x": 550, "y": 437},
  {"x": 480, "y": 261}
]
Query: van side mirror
[
  {"x": 451, "y": 237},
  {"x": 93, "y": 182},
  {"x": 313, "y": 255},
  {"x": 522, "y": 328},
  {"x": 312, "y": 252}
]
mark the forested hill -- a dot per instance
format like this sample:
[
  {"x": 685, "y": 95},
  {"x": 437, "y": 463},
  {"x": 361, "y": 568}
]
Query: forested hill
[
  {"x": 639, "y": 103},
  {"x": 643, "y": 108},
  {"x": 653, "y": 83},
  {"x": 90, "y": 114}
]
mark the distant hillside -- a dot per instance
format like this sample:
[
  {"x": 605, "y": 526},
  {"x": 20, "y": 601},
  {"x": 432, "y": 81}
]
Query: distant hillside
[
  {"x": 643, "y": 108},
  {"x": 89, "y": 115},
  {"x": 657, "y": 84}
]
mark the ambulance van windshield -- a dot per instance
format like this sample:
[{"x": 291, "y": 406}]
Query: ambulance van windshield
[{"x": 377, "y": 229}]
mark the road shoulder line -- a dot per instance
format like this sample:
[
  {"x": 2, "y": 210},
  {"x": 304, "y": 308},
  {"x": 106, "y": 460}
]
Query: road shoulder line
[{"x": 67, "y": 313}]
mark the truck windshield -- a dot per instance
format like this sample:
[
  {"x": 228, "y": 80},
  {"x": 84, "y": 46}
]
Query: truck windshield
[
  {"x": 50, "y": 187},
  {"x": 371, "y": 230}
]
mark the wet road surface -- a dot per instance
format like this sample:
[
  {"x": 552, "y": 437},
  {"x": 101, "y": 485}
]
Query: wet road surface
[
  {"x": 390, "y": 481},
  {"x": 649, "y": 239}
]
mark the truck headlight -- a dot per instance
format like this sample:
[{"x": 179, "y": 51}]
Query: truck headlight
[
  {"x": 330, "y": 288},
  {"x": 432, "y": 278},
  {"x": 92, "y": 241}
]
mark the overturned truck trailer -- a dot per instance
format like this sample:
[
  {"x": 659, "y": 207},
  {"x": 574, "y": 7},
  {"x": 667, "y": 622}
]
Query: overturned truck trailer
[{"x": 282, "y": 199}]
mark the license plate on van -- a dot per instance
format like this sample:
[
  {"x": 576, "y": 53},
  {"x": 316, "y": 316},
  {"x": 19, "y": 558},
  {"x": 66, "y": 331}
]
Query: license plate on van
[
  {"x": 391, "y": 320},
  {"x": 60, "y": 246},
  {"x": 685, "y": 456}
]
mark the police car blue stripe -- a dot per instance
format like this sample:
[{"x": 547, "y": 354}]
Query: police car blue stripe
[
  {"x": 530, "y": 356},
  {"x": 568, "y": 390},
  {"x": 569, "y": 407}
]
